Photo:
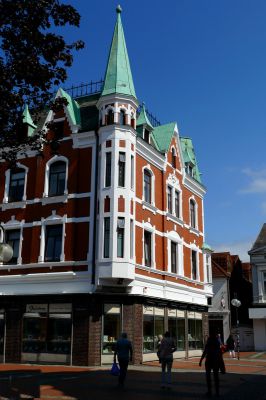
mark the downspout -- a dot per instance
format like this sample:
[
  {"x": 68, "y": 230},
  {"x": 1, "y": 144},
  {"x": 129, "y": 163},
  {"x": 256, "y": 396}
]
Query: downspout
[{"x": 93, "y": 273}]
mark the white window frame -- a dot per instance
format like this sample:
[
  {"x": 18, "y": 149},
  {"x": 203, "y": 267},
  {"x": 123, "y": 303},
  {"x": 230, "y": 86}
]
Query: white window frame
[
  {"x": 12, "y": 225},
  {"x": 148, "y": 168},
  {"x": 149, "y": 228},
  {"x": 173, "y": 182},
  {"x": 192, "y": 199},
  {"x": 52, "y": 220},
  {"x": 174, "y": 237},
  {"x": 47, "y": 174},
  {"x": 7, "y": 184},
  {"x": 175, "y": 153},
  {"x": 196, "y": 249}
]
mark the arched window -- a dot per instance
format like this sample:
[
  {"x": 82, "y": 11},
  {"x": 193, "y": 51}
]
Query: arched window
[
  {"x": 147, "y": 186},
  {"x": 110, "y": 118},
  {"x": 132, "y": 121},
  {"x": 57, "y": 178},
  {"x": 192, "y": 210},
  {"x": 16, "y": 184},
  {"x": 122, "y": 117},
  {"x": 173, "y": 161}
]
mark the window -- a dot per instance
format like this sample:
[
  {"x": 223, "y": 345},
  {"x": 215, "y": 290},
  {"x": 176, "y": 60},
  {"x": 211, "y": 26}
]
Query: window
[
  {"x": 208, "y": 268},
  {"x": 108, "y": 169},
  {"x": 58, "y": 129},
  {"x": 110, "y": 118},
  {"x": 153, "y": 326},
  {"x": 173, "y": 158},
  {"x": 176, "y": 327},
  {"x": 192, "y": 210},
  {"x": 169, "y": 199},
  {"x": 13, "y": 239},
  {"x": 106, "y": 250},
  {"x": 147, "y": 248},
  {"x": 121, "y": 169},
  {"x": 177, "y": 204},
  {"x": 174, "y": 257},
  {"x": 111, "y": 327},
  {"x": 194, "y": 264},
  {"x": 120, "y": 237},
  {"x": 16, "y": 186},
  {"x": 57, "y": 178},
  {"x": 132, "y": 121},
  {"x": 122, "y": 117},
  {"x": 132, "y": 173},
  {"x": 147, "y": 186},
  {"x": 189, "y": 169},
  {"x": 147, "y": 135},
  {"x": 195, "y": 340},
  {"x": 53, "y": 242},
  {"x": 264, "y": 276},
  {"x": 131, "y": 238}
]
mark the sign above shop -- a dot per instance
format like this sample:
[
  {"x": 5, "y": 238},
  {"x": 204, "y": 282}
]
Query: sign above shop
[{"x": 38, "y": 308}]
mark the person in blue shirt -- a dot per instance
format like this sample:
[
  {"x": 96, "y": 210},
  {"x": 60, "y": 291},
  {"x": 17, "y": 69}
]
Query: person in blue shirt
[{"x": 124, "y": 352}]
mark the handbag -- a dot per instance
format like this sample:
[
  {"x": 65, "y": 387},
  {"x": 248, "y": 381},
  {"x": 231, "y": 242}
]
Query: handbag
[{"x": 115, "y": 370}]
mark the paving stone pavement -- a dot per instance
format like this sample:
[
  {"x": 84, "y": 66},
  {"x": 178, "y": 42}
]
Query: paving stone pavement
[{"x": 245, "y": 379}]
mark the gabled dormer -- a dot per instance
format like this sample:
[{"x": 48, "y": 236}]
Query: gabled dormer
[
  {"x": 189, "y": 158},
  {"x": 28, "y": 125},
  {"x": 144, "y": 126}
]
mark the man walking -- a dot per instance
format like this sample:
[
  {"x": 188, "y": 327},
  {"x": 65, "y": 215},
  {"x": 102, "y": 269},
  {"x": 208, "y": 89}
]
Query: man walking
[{"x": 124, "y": 352}]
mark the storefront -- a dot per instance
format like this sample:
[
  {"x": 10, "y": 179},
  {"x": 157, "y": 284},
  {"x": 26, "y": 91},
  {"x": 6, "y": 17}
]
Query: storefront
[
  {"x": 2, "y": 335},
  {"x": 47, "y": 333},
  {"x": 111, "y": 329}
]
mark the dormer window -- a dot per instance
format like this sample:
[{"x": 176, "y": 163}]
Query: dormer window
[
  {"x": 173, "y": 161},
  {"x": 189, "y": 169},
  {"x": 58, "y": 129},
  {"x": 146, "y": 135},
  {"x": 110, "y": 118},
  {"x": 122, "y": 117},
  {"x": 132, "y": 121}
]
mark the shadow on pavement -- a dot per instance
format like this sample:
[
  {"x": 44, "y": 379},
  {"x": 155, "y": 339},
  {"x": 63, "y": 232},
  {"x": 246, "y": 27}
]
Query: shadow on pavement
[{"x": 142, "y": 385}]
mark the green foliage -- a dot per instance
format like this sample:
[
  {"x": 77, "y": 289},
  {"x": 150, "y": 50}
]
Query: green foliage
[{"x": 33, "y": 60}]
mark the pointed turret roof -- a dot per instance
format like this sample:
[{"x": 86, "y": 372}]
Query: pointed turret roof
[
  {"x": 143, "y": 118},
  {"x": 118, "y": 77},
  {"x": 261, "y": 239},
  {"x": 27, "y": 117}
]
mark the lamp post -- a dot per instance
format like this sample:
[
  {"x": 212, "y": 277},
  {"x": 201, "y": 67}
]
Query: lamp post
[
  {"x": 6, "y": 251},
  {"x": 237, "y": 303}
]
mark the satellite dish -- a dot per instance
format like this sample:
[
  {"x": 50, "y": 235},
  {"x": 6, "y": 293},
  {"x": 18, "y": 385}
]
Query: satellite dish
[{"x": 236, "y": 302}]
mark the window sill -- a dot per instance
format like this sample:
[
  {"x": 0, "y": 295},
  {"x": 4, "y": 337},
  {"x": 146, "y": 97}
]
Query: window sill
[
  {"x": 54, "y": 199},
  {"x": 175, "y": 219},
  {"x": 149, "y": 207},
  {"x": 14, "y": 204},
  {"x": 194, "y": 230}
]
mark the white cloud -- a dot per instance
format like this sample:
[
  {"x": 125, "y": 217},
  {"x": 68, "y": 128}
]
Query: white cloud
[
  {"x": 238, "y": 248},
  {"x": 257, "y": 182}
]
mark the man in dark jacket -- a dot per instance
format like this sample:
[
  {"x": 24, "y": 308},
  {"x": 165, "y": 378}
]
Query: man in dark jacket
[
  {"x": 214, "y": 359},
  {"x": 124, "y": 352}
]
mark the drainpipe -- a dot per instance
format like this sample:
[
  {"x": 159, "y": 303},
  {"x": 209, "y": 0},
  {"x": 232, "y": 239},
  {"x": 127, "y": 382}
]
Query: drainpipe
[{"x": 95, "y": 210}]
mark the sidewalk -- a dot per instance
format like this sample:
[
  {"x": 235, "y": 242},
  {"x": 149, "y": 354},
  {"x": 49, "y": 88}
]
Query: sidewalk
[{"x": 245, "y": 379}]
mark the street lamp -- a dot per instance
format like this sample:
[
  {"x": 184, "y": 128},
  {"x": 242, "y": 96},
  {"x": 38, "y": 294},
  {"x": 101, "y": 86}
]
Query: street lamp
[
  {"x": 237, "y": 303},
  {"x": 6, "y": 251}
]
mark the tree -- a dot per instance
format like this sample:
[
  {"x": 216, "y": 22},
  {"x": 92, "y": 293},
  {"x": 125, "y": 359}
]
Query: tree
[{"x": 33, "y": 61}]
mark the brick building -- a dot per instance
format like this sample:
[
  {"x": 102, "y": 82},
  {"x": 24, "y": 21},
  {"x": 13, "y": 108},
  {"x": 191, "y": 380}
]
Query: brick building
[{"x": 107, "y": 230}]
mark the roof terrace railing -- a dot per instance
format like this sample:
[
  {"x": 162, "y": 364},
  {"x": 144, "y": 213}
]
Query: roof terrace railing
[{"x": 85, "y": 89}]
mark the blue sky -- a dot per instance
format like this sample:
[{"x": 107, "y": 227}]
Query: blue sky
[{"x": 201, "y": 63}]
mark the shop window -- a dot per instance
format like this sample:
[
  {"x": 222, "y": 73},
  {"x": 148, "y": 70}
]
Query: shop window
[
  {"x": 106, "y": 250},
  {"x": 147, "y": 248},
  {"x": 108, "y": 169},
  {"x": 264, "y": 276},
  {"x": 169, "y": 199},
  {"x": 47, "y": 332},
  {"x": 195, "y": 339},
  {"x": 153, "y": 326},
  {"x": 111, "y": 327},
  {"x": 147, "y": 186},
  {"x": 176, "y": 327},
  {"x": 13, "y": 239},
  {"x": 57, "y": 178},
  {"x": 121, "y": 169},
  {"x": 16, "y": 185},
  {"x": 2, "y": 336},
  {"x": 53, "y": 242}
]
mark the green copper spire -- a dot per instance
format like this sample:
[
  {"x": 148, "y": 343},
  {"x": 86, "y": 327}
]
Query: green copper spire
[
  {"x": 26, "y": 119},
  {"x": 118, "y": 77},
  {"x": 143, "y": 118}
]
